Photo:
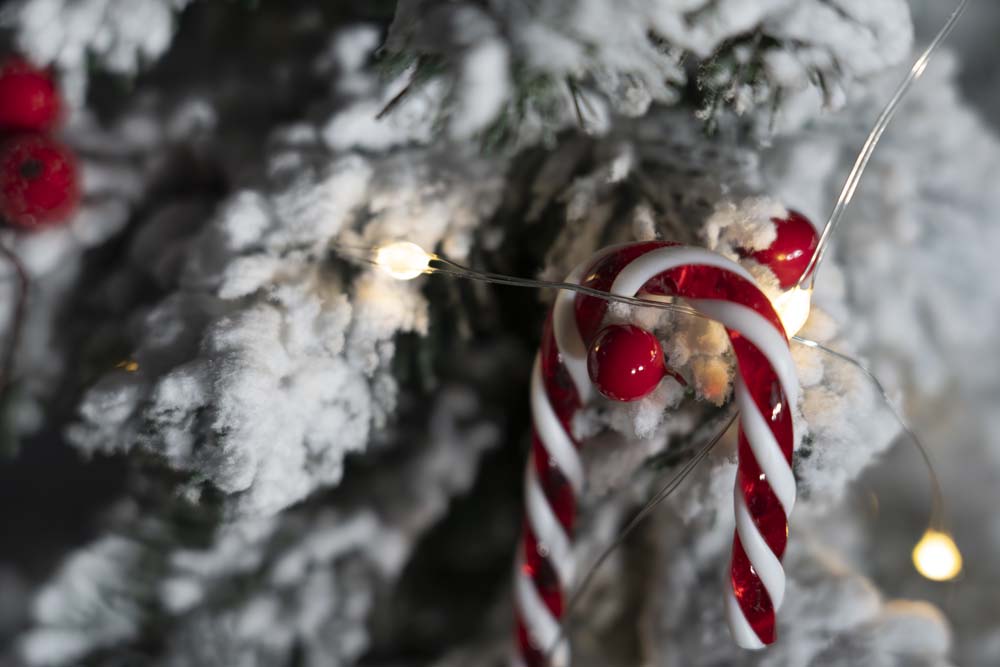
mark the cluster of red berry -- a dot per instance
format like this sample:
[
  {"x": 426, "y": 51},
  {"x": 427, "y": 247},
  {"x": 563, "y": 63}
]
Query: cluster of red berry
[{"x": 38, "y": 177}]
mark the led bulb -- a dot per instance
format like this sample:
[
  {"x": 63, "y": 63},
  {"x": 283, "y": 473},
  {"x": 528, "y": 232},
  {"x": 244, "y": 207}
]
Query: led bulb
[
  {"x": 403, "y": 260},
  {"x": 793, "y": 309},
  {"x": 936, "y": 556}
]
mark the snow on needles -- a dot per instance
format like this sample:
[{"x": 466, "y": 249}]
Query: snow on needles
[
  {"x": 269, "y": 364},
  {"x": 318, "y": 569},
  {"x": 121, "y": 34},
  {"x": 558, "y": 60}
]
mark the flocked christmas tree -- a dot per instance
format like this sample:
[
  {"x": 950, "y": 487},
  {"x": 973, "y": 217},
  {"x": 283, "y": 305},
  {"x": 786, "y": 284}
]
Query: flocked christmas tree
[{"x": 233, "y": 438}]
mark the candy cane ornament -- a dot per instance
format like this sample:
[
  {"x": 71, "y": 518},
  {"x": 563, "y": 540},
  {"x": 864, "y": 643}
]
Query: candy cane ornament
[{"x": 766, "y": 387}]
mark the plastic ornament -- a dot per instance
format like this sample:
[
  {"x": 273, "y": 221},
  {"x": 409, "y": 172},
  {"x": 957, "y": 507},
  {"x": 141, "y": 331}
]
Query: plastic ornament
[
  {"x": 38, "y": 182},
  {"x": 793, "y": 247},
  {"x": 625, "y": 362},
  {"x": 29, "y": 99},
  {"x": 565, "y": 379}
]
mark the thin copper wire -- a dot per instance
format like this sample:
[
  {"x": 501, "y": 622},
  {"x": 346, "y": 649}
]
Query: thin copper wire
[{"x": 864, "y": 156}]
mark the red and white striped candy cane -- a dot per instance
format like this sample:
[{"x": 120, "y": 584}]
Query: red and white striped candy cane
[{"x": 766, "y": 387}]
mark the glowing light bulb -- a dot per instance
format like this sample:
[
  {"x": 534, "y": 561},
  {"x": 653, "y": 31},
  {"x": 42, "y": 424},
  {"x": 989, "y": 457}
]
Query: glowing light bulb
[
  {"x": 793, "y": 309},
  {"x": 403, "y": 260},
  {"x": 936, "y": 556}
]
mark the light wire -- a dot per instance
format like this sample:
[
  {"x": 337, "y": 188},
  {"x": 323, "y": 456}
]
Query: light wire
[
  {"x": 854, "y": 178},
  {"x": 937, "y": 520},
  {"x": 450, "y": 268},
  {"x": 453, "y": 269},
  {"x": 665, "y": 492}
]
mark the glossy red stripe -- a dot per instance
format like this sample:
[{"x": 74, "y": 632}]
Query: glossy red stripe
[
  {"x": 532, "y": 655},
  {"x": 542, "y": 574},
  {"x": 554, "y": 484},
  {"x": 590, "y": 310},
  {"x": 751, "y": 595},
  {"x": 762, "y": 382},
  {"x": 764, "y": 506},
  {"x": 697, "y": 281},
  {"x": 558, "y": 384},
  {"x": 694, "y": 282}
]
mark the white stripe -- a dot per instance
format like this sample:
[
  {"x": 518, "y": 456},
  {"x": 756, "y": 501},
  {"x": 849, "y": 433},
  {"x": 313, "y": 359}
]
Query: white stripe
[
  {"x": 739, "y": 626},
  {"x": 560, "y": 656},
  {"x": 566, "y": 332},
  {"x": 542, "y": 627},
  {"x": 645, "y": 267},
  {"x": 550, "y": 430},
  {"x": 764, "y": 562},
  {"x": 567, "y": 335},
  {"x": 758, "y": 330},
  {"x": 765, "y": 448},
  {"x": 774, "y": 346},
  {"x": 549, "y": 533}
]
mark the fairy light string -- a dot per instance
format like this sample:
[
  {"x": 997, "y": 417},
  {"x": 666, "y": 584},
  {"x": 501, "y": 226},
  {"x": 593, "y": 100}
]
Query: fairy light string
[
  {"x": 865, "y": 155},
  {"x": 935, "y": 556},
  {"x": 664, "y": 492},
  {"x": 430, "y": 263}
]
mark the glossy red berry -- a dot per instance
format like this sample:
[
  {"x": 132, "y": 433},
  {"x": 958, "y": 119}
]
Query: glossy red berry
[
  {"x": 625, "y": 362},
  {"x": 792, "y": 249},
  {"x": 38, "y": 183},
  {"x": 29, "y": 99}
]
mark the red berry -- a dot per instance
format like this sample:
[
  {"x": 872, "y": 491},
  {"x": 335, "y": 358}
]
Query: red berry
[
  {"x": 789, "y": 254},
  {"x": 625, "y": 362},
  {"x": 29, "y": 99},
  {"x": 37, "y": 181}
]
